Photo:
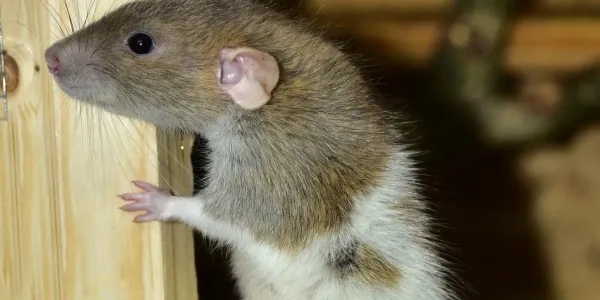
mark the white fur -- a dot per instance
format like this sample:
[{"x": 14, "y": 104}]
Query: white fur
[{"x": 264, "y": 273}]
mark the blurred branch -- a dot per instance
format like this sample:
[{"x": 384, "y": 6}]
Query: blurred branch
[
  {"x": 468, "y": 63},
  {"x": 565, "y": 104},
  {"x": 472, "y": 50},
  {"x": 467, "y": 75}
]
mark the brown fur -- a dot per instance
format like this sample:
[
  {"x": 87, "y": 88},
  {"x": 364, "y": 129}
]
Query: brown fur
[
  {"x": 299, "y": 162},
  {"x": 361, "y": 261},
  {"x": 374, "y": 269}
]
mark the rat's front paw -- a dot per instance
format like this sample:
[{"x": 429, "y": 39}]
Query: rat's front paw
[{"x": 153, "y": 200}]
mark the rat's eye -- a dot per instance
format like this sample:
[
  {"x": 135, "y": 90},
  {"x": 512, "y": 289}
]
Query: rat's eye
[{"x": 140, "y": 43}]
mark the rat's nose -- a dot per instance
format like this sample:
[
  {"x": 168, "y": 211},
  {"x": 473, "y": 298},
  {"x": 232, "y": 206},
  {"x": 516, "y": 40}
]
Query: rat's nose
[
  {"x": 53, "y": 64},
  {"x": 52, "y": 61}
]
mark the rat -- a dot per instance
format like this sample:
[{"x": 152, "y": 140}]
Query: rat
[{"x": 309, "y": 183}]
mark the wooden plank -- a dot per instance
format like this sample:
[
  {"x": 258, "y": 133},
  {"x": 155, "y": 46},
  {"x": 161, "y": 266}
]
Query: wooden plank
[
  {"x": 429, "y": 7},
  {"x": 559, "y": 45},
  {"x": 61, "y": 166},
  {"x": 174, "y": 154},
  {"x": 554, "y": 44},
  {"x": 337, "y": 7},
  {"x": 568, "y": 5}
]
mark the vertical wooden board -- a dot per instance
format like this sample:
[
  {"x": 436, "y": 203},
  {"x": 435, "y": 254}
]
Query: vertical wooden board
[
  {"x": 174, "y": 153},
  {"x": 61, "y": 166},
  {"x": 29, "y": 258}
]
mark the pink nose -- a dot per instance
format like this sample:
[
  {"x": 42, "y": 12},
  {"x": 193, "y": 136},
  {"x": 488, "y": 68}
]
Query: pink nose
[{"x": 53, "y": 64}]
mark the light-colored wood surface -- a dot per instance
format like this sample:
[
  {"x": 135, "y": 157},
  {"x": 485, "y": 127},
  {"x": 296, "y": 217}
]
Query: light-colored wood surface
[{"x": 61, "y": 167}]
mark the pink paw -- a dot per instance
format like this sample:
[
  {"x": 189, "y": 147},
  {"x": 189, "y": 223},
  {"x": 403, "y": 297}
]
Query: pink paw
[{"x": 153, "y": 200}]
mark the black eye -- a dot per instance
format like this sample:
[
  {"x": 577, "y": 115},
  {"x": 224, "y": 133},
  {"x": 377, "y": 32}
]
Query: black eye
[{"x": 140, "y": 43}]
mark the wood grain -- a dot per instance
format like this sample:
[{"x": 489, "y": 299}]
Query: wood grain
[{"x": 61, "y": 167}]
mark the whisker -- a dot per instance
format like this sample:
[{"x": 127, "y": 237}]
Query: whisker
[
  {"x": 112, "y": 130},
  {"x": 157, "y": 170},
  {"x": 103, "y": 72},
  {"x": 78, "y": 111},
  {"x": 101, "y": 69},
  {"x": 90, "y": 147},
  {"x": 98, "y": 46},
  {"x": 174, "y": 157},
  {"x": 59, "y": 24},
  {"x": 117, "y": 139},
  {"x": 112, "y": 5},
  {"x": 64, "y": 32},
  {"x": 79, "y": 115},
  {"x": 78, "y": 13},
  {"x": 69, "y": 15},
  {"x": 26, "y": 27},
  {"x": 64, "y": 104},
  {"x": 101, "y": 126},
  {"x": 89, "y": 11}
]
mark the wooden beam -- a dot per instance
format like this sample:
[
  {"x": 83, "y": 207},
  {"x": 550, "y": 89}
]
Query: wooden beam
[
  {"x": 337, "y": 7},
  {"x": 411, "y": 7},
  {"x": 569, "y": 5},
  {"x": 557, "y": 45}
]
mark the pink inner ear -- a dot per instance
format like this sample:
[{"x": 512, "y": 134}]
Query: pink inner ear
[
  {"x": 231, "y": 72},
  {"x": 248, "y": 76}
]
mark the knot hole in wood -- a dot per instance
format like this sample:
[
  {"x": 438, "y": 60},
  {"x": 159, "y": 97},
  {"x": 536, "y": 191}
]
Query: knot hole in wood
[
  {"x": 11, "y": 69},
  {"x": 22, "y": 72}
]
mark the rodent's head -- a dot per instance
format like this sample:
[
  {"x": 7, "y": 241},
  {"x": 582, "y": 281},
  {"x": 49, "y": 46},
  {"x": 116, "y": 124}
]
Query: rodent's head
[
  {"x": 146, "y": 60},
  {"x": 162, "y": 61}
]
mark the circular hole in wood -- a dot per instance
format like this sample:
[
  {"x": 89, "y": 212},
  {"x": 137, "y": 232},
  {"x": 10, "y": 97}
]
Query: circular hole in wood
[{"x": 12, "y": 73}]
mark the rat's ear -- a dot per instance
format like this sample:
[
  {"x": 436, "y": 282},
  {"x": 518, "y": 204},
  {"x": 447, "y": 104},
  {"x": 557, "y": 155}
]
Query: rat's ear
[{"x": 248, "y": 76}]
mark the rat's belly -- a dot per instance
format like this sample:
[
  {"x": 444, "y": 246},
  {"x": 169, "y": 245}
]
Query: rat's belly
[
  {"x": 265, "y": 274},
  {"x": 258, "y": 267}
]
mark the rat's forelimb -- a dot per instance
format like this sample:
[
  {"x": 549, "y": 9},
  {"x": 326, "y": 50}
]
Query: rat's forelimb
[{"x": 160, "y": 205}]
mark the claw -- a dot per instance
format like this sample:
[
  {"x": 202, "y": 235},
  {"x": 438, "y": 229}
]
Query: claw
[
  {"x": 135, "y": 206},
  {"x": 148, "y": 187},
  {"x": 147, "y": 217},
  {"x": 131, "y": 196}
]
